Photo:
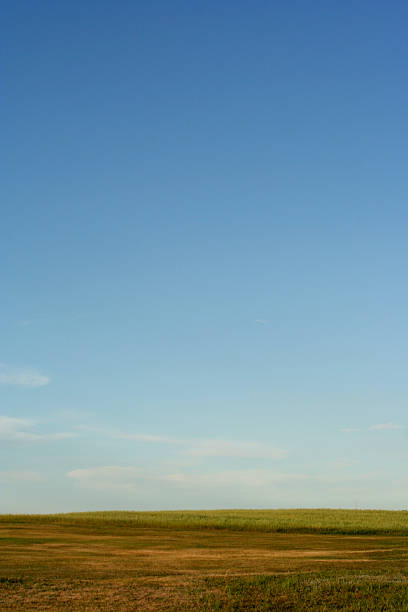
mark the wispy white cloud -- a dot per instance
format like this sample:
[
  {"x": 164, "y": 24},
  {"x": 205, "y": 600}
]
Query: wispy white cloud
[
  {"x": 377, "y": 427},
  {"x": 200, "y": 447},
  {"x": 98, "y": 430},
  {"x": 15, "y": 430},
  {"x": 225, "y": 478},
  {"x": 261, "y": 321},
  {"x": 132, "y": 477},
  {"x": 13, "y": 476},
  {"x": 119, "y": 435},
  {"x": 25, "y": 377},
  {"x": 107, "y": 472},
  {"x": 9, "y": 425},
  {"x": 184, "y": 488},
  {"x": 382, "y": 426},
  {"x": 145, "y": 438},
  {"x": 230, "y": 448},
  {"x": 113, "y": 477},
  {"x": 342, "y": 463}
]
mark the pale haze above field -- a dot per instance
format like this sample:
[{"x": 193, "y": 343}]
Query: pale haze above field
[{"x": 203, "y": 240}]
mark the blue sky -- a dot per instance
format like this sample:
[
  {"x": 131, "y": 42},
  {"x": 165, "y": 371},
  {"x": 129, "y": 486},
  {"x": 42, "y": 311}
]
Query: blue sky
[{"x": 203, "y": 246}]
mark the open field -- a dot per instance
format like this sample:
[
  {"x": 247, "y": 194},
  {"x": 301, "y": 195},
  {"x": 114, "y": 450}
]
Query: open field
[
  {"x": 120, "y": 561},
  {"x": 325, "y": 521}
]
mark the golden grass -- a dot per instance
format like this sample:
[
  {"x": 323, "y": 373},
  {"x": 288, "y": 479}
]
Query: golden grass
[{"x": 325, "y": 521}]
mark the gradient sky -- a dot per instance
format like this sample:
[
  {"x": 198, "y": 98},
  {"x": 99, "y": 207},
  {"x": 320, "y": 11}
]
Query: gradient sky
[{"x": 204, "y": 254}]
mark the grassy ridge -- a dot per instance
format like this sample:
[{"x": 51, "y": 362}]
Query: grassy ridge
[{"x": 324, "y": 521}]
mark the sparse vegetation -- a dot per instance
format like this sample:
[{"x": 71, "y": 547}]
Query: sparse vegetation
[{"x": 121, "y": 561}]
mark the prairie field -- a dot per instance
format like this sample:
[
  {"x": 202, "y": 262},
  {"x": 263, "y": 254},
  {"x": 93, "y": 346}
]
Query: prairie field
[{"x": 205, "y": 560}]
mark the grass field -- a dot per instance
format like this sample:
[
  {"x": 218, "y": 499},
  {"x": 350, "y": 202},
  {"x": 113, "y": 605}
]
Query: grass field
[
  {"x": 223, "y": 560},
  {"x": 325, "y": 521}
]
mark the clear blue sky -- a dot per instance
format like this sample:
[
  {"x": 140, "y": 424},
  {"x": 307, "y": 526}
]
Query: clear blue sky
[{"x": 204, "y": 254}]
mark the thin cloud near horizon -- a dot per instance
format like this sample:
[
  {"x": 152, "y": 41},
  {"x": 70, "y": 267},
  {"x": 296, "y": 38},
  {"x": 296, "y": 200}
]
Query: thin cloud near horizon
[
  {"x": 376, "y": 427},
  {"x": 384, "y": 426},
  {"x": 129, "y": 477},
  {"x": 201, "y": 447},
  {"x": 20, "y": 430},
  {"x": 25, "y": 376}
]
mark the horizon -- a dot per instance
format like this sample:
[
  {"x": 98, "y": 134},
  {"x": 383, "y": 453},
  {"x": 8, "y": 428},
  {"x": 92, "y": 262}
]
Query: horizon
[{"x": 194, "y": 510}]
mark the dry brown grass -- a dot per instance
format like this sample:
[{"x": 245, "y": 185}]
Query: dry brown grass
[{"x": 55, "y": 567}]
